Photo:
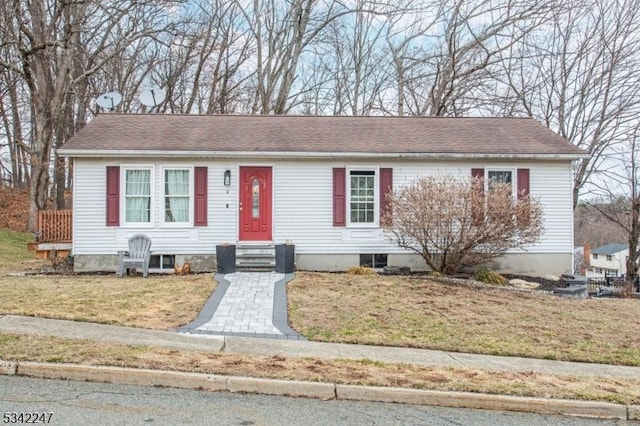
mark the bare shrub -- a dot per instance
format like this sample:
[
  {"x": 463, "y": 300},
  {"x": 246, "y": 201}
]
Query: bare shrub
[
  {"x": 361, "y": 270},
  {"x": 454, "y": 223},
  {"x": 489, "y": 277}
]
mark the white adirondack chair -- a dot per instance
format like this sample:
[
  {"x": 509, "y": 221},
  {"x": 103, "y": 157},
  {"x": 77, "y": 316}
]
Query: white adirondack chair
[{"x": 138, "y": 255}]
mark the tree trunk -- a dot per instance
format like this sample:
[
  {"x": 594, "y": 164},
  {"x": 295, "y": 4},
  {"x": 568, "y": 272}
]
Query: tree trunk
[{"x": 39, "y": 187}]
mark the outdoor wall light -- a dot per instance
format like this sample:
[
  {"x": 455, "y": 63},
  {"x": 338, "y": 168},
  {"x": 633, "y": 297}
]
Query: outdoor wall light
[{"x": 227, "y": 178}]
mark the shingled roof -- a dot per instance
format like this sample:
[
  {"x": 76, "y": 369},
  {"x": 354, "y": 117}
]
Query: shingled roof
[
  {"x": 611, "y": 248},
  {"x": 164, "y": 134}
]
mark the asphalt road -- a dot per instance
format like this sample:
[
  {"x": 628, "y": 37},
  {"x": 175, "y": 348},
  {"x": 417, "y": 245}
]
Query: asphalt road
[{"x": 80, "y": 403}]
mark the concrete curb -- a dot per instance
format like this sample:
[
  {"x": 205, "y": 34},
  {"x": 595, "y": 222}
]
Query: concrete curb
[
  {"x": 8, "y": 368},
  {"x": 281, "y": 387},
  {"x": 601, "y": 410},
  {"x": 120, "y": 375},
  {"x": 210, "y": 382}
]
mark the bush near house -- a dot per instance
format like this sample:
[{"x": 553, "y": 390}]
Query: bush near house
[{"x": 453, "y": 223}]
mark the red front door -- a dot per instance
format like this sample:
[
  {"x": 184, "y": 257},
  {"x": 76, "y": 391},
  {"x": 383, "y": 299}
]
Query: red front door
[{"x": 255, "y": 204}]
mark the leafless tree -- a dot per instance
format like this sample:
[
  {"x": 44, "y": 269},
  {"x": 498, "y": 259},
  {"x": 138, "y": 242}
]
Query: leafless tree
[
  {"x": 204, "y": 67},
  {"x": 283, "y": 32},
  {"x": 451, "y": 48},
  {"x": 590, "y": 226},
  {"x": 618, "y": 193},
  {"x": 57, "y": 45},
  {"x": 357, "y": 60},
  {"x": 13, "y": 107},
  {"x": 442, "y": 218},
  {"x": 578, "y": 74}
]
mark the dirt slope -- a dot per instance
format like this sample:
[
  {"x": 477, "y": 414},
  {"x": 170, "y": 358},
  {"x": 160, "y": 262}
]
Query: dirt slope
[{"x": 14, "y": 208}]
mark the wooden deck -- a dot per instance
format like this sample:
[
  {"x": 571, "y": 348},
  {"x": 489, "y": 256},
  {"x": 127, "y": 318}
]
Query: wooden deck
[
  {"x": 54, "y": 234},
  {"x": 54, "y": 226}
]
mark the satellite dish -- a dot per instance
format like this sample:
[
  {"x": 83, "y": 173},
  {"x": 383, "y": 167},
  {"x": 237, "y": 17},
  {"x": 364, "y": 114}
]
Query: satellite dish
[
  {"x": 152, "y": 97},
  {"x": 109, "y": 100}
]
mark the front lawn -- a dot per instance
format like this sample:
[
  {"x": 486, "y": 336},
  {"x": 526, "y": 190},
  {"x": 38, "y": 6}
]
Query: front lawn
[
  {"x": 158, "y": 302},
  {"x": 424, "y": 313},
  {"x": 379, "y": 310},
  {"x": 398, "y": 311}
]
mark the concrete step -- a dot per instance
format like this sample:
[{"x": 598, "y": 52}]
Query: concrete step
[
  {"x": 255, "y": 257},
  {"x": 257, "y": 249},
  {"x": 255, "y": 266}
]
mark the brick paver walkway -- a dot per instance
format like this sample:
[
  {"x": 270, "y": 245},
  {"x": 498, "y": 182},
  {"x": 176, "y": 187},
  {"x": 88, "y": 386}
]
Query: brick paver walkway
[{"x": 246, "y": 304}]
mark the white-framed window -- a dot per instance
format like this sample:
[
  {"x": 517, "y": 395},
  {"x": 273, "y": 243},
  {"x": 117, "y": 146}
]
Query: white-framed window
[
  {"x": 500, "y": 176},
  {"x": 137, "y": 190},
  {"x": 364, "y": 197},
  {"x": 177, "y": 196}
]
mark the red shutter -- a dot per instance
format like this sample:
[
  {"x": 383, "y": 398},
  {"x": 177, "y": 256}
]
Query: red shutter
[
  {"x": 477, "y": 208},
  {"x": 339, "y": 197},
  {"x": 479, "y": 174},
  {"x": 386, "y": 186},
  {"x": 523, "y": 183},
  {"x": 200, "y": 197},
  {"x": 113, "y": 196}
]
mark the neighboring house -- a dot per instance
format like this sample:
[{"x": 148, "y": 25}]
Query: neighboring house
[
  {"x": 609, "y": 261},
  {"x": 191, "y": 182}
]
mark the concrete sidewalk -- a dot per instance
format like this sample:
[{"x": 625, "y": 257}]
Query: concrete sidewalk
[
  {"x": 268, "y": 347},
  {"x": 303, "y": 349}
]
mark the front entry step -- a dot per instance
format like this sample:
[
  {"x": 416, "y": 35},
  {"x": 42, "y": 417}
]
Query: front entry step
[{"x": 255, "y": 257}]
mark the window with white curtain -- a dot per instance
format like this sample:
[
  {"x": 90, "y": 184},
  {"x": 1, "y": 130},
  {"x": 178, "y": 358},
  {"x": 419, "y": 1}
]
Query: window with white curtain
[
  {"x": 177, "y": 195},
  {"x": 157, "y": 193},
  {"x": 137, "y": 195}
]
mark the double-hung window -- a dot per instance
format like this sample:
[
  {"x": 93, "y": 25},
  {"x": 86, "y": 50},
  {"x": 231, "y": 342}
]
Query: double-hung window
[
  {"x": 500, "y": 176},
  {"x": 137, "y": 195},
  {"x": 145, "y": 195},
  {"x": 177, "y": 196},
  {"x": 363, "y": 197}
]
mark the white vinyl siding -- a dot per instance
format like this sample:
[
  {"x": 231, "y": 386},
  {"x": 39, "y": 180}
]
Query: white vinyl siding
[
  {"x": 302, "y": 206},
  {"x": 93, "y": 237}
]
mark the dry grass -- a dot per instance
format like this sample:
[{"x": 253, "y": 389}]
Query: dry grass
[
  {"x": 420, "y": 312},
  {"x": 49, "y": 349},
  {"x": 14, "y": 256},
  {"x": 158, "y": 302},
  {"x": 399, "y": 311}
]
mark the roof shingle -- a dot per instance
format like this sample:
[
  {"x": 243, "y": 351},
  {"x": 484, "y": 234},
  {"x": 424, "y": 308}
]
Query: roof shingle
[
  {"x": 317, "y": 134},
  {"x": 611, "y": 248}
]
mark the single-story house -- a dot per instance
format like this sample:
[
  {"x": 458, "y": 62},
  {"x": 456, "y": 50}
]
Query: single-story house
[
  {"x": 192, "y": 182},
  {"x": 609, "y": 260}
]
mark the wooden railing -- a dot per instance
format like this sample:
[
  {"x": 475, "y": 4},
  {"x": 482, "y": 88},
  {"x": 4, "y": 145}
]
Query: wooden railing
[{"x": 54, "y": 226}]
